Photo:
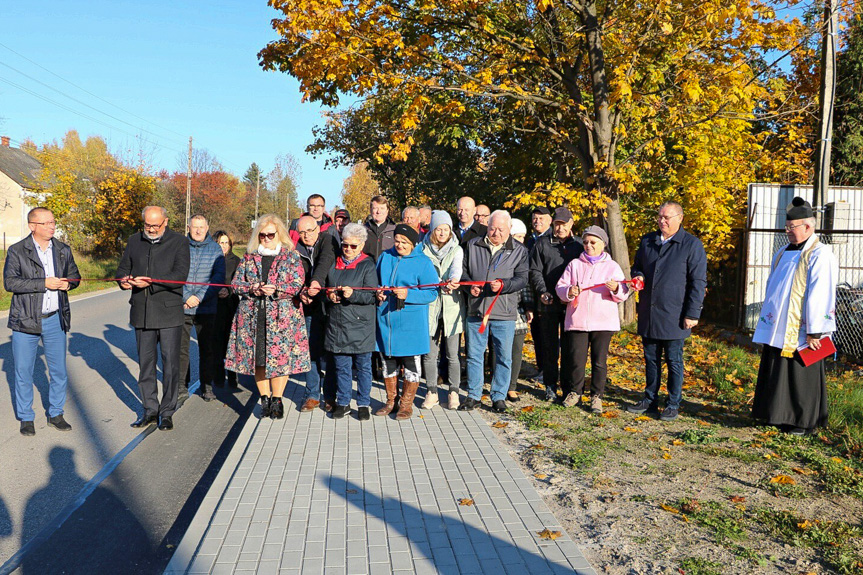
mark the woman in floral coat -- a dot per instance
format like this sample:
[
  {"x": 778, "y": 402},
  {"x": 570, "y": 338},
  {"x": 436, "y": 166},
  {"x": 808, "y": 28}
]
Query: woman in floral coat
[{"x": 268, "y": 336}]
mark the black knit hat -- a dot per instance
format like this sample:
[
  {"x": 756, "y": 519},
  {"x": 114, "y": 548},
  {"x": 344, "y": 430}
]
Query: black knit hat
[
  {"x": 408, "y": 232},
  {"x": 799, "y": 209}
]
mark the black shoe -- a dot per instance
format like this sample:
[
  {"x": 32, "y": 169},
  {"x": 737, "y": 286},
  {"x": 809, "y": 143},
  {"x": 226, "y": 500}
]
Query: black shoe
[
  {"x": 59, "y": 423},
  {"x": 512, "y": 398},
  {"x": 144, "y": 421},
  {"x": 340, "y": 411},
  {"x": 232, "y": 379},
  {"x": 265, "y": 406},
  {"x": 791, "y": 430},
  {"x": 498, "y": 406},
  {"x": 669, "y": 414},
  {"x": 645, "y": 405},
  {"x": 208, "y": 395},
  {"x": 183, "y": 393},
  {"x": 277, "y": 408},
  {"x": 468, "y": 404},
  {"x": 167, "y": 424},
  {"x": 550, "y": 393},
  {"x": 28, "y": 429},
  {"x": 364, "y": 413}
]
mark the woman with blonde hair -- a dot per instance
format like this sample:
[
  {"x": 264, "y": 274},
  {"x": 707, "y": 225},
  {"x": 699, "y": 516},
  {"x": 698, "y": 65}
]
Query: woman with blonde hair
[{"x": 268, "y": 336}]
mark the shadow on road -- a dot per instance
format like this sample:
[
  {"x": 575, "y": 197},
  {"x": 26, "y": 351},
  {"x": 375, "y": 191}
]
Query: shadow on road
[
  {"x": 64, "y": 550},
  {"x": 99, "y": 357}
]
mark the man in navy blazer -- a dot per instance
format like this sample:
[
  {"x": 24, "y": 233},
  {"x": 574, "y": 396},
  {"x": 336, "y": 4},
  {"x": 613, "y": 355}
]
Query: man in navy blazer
[{"x": 673, "y": 264}]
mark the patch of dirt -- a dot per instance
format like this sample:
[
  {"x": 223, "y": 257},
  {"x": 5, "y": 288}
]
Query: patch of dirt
[{"x": 706, "y": 493}]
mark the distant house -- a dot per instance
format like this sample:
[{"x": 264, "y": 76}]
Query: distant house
[{"x": 17, "y": 170}]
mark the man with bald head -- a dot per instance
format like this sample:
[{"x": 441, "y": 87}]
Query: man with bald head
[
  {"x": 501, "y": 261},
  {"x": 317, "y": 252},
  {"x": 482, "y": 214},
  {"x": 468, "y": 228},
  {"x": 156, "y": 253}
]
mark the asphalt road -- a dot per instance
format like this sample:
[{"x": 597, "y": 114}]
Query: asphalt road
[{"x": 131, "y": 520}]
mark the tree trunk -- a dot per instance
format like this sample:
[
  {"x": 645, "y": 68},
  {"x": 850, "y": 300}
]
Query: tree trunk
[{"x": 620, "y": 253}]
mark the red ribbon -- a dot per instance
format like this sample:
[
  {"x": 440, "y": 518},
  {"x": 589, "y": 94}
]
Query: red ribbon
[{"x": 485, "y": 317}]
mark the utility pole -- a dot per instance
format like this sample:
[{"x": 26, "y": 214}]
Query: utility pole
[
  {"x": 826, "y": 97},
  {"x": 257, "y": 195},
  {"x": 189, "y": 188}
]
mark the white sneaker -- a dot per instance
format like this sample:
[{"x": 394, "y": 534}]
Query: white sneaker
[
  {"x": 431, "y": 400},
  {"x": 453, "y": 400}
]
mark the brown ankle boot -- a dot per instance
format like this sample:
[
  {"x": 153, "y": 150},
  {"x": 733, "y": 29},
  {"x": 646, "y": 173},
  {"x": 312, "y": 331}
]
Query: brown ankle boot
[
  {"x": 406, "y": 405},
  {"x": 391, "y": 384}
]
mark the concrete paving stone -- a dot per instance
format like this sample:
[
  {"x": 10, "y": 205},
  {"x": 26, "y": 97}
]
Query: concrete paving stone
[
  {"x": 358, "y": 548},
  {"x": 203, "y": 563},
  {"x": 313, "y": 566},
  {"x": 244, "y": 510},
  {"x": 292, "y": 558},
  {"x": 424, "y": 567},
  {"x": 380, "y": 569},
  {"x": 229, "y": 504},
  {"x": 401, "y": 560},
  {"x": 443, "y": 556},
  {"x": 228, "y": 554},
  {"x": 317, "y": 519},
  {"x": 271, "y": 552},
  {"x": 275, "y": 535},
  {"x": 334, "y": 558},
  {"x": 357, "y": 566},
  {"x": 253, "y": 545},
  {"x": 223, "y": 569},
  {"x": 379, "y": 555},
  {"x": 257, "y": 530},
  {"x": 314, "y": 550},
  {"x": 316, "y": 533}
]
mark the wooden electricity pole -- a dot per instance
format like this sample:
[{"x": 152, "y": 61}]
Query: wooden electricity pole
[
  {"x": 257, "y": 195},
  {"x": 826, "y": 97},
  {"x": 189, "y": 188}
]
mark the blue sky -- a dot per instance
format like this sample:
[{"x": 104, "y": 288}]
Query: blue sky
[{"x": 177, "y": 69}]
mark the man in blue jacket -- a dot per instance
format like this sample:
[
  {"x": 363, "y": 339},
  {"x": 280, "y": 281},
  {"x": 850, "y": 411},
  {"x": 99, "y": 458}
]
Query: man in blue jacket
[
  {"x": 206, "y": 265},
  {"x": 673, "y": 265},
  {"x": 37, "y": 273}
]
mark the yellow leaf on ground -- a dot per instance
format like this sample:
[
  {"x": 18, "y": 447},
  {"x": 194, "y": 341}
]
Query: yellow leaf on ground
[
  {"x": 527, "y": 409},
  {"x": 670, "y": 509},
  {"x": 547, "y": 534},
  {"x": 632, "y": 429},
  {"x": 610, "y": 414},
  {"x": 737, "y": 499},
  {"x": 805, "y": 525},
  {"x": 653, "y": 438},
  {"x": 704, "y": 423},
  {"x": 540, "y": 475},
  {"x": 836, "y": 459},
  {"x": 538, "y": 446},
  {"x": 666, "y": 456},
  {"x": 500, "y": 424},
  {"x": 677, "y": 442},
  {"x": 783, "y": 480},
  {"x": 465, "y": 501},
  {"x": 642, "y": 418}
]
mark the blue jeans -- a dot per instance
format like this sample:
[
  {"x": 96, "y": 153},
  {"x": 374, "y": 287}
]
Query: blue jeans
[
  {"x": 344, "y": 363},
  {"x": 501, "y": 333},
  {"x": 24, "y": 348},
  {"x": 653, "y": 350},
  {"x": 315, "y": 330}
]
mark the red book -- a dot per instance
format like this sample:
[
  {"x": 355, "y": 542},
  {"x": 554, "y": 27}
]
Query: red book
[{"x": 810, "y": 356}]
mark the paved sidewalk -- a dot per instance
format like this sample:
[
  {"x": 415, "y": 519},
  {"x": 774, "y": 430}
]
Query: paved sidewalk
[{"x": 307, "y": 494}]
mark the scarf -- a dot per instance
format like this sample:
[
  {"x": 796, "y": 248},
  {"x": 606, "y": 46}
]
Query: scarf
[
  {"x": 798, "y": 293},
  {"x": 593, "y": 259},
  {"x": 265, "y": 252}
]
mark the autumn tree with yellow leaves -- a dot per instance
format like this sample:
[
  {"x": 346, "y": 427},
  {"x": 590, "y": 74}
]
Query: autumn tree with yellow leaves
[
  {"x": 97, "y": 201},
  {"x": 639, "y": 102}
]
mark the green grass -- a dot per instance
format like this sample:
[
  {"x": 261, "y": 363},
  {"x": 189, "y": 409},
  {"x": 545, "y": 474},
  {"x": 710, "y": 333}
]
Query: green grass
[
  {"x": 89, "y": 268},
  {"x": 699, "y": 566}
]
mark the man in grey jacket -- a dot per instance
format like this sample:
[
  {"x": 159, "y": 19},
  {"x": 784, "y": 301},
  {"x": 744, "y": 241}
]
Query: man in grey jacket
[
  {"x": 37, "y": 272},
  {"x": 502, "y": 262}
]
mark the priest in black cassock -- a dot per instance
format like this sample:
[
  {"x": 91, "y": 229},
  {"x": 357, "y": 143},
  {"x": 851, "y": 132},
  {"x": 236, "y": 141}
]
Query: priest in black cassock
[{"x": 798, "y": 310}]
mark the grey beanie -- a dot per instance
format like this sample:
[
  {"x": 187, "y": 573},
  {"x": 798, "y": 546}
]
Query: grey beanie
[
  {"x": 439, "y": 218},
  {"x": 598, "y": 232}
]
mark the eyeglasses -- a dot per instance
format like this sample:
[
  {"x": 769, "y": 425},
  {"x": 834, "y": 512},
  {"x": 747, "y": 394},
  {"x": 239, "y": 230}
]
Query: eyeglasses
[
  {"x": 666, "y": 218},
  {"x": 352, "y": 246},
  {"x": 792, "y": 228},
  {"x": 269, "y": 236},
  {"x": 154, "y": 226},
  {"x": 51, "y": 223}
]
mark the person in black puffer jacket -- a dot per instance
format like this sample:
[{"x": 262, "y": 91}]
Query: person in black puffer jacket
[{"x": 226, "y": 307}]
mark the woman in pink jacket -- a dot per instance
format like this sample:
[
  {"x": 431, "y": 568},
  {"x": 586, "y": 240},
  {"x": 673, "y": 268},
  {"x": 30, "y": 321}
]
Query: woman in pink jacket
[{"x": 592, "y": 286}]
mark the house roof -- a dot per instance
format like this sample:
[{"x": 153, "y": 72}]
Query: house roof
[{"x": 19, "y": 165}]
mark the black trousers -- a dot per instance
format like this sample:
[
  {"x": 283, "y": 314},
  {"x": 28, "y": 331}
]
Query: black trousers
[
  {"x": 168, "y": 339},
  {"x": 551, "y": 326},
  {"x": 517, "y": 349},
  {"x": 204, "y": 325},
  {"x": 575, "y": 345},
  {"x": 536, "y": 335}
]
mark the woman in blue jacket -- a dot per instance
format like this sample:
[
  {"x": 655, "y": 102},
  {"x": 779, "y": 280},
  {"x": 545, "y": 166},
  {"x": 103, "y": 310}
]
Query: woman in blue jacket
[{"x": 402, "y": 333}]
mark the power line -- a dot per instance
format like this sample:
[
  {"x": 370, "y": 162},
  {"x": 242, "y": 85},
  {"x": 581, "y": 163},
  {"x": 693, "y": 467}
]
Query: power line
[{"x": 90, "y": 93}]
